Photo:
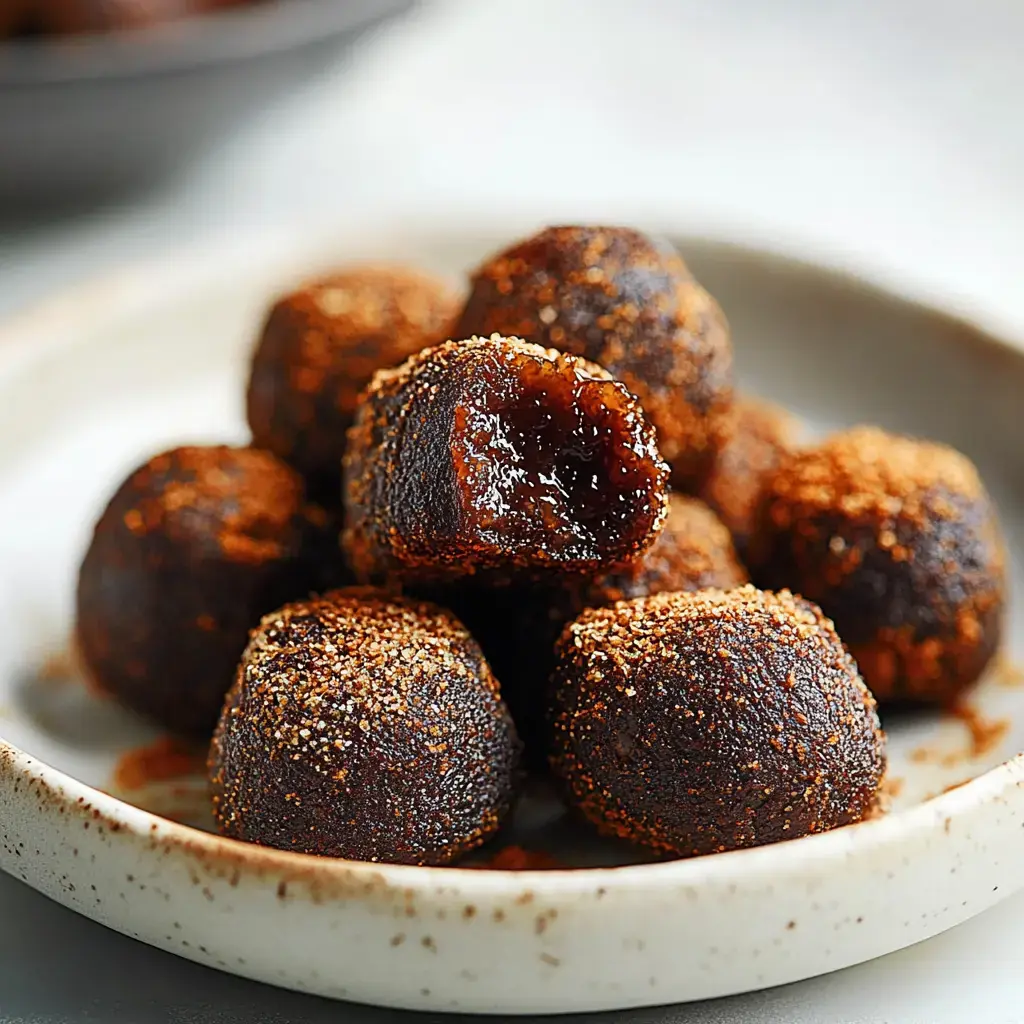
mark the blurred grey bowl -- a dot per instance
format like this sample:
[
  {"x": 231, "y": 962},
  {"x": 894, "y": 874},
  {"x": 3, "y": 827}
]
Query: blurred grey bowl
[{"x": 93, "y": 116}]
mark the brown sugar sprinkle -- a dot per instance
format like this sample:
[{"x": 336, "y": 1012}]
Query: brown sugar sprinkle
[
  {"x": 364, "y": 726},
  {"x": 165, "y": 758},
  {"x": 246, "y": 497},
  {"x": 627, "y": 302},
  {"x": 762, "y": 434},
  {"x": 892, "y": 786},
  {"x": 193, "y": 547},
  {"x": 518, "y": 858},
  {"x": 497, "y": 455},
  {"x": 659, "y": 739},
  {"x": 898, "y": 542},
  {"x": 319, "y": 349},
  {"x": 985, "y": 733}
]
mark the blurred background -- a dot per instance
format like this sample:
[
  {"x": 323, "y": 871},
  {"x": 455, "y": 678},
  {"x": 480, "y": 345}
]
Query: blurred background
[{"x": 886, "y": 136}]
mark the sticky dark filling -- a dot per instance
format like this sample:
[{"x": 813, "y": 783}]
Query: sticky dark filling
[{"x": 553, "y": 466}]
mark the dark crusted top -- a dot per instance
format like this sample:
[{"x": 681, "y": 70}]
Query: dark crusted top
[
  {"x": 627, "y": 302},
  {"x": 499, "y": 455},
  {"x": 364, "y": 726},
  {"x": 699, "y": 722},
  {"x": 233, "y": 503},
  {"x": 763, "y": 433},
  {"x": 319, "y": 349},
  {"x": 898, "y": 541}
]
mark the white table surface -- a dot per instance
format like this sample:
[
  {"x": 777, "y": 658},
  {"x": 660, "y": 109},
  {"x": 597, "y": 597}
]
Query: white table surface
[{"x": 885, "y": 135}]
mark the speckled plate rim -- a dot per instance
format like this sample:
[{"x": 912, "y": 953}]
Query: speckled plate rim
[
  {"x": 58, "y": 320},
  {"x": 54, "y": 326},
  {"x": 802, "y": 855}
]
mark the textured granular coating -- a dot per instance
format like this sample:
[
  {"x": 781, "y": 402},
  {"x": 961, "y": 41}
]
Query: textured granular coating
[
  {"x": 500, "y": 456},
  {"x": 763, "y": 433},
  {"x": 363, "y": 726},
  {"x": 898, "y": 542},
  {"x": 319, "y": 349},
  {"x": 518, "y": 625},
  {"x": 628, "y": 303},
  {"x": 193, "y": 548},
  {"x": 694, "y": 723}
]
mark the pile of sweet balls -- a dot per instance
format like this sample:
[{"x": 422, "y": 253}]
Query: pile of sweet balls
[{"x": 546, "y": 527}]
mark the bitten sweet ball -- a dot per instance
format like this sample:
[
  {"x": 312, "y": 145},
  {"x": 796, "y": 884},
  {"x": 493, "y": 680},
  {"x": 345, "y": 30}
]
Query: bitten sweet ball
[
  {"x": 627, "y": 302},
  {"x": 192, "y": 549},
  {"x": 898, "y": 541},
  {"x": 363, "y": 726},
  {"x": 694, "y": 723},
  {"x": 497, "y": 455},
  {"x": 319, "y": 349}
]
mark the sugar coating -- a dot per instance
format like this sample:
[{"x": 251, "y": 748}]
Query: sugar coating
[
  {"x": 898, "y": 541},
  {"x": 694, "y": 723},
  {"x": 365, "y": 726},
  {"x": 318, "y": 350},
  {"x": 628, "y": 302}
]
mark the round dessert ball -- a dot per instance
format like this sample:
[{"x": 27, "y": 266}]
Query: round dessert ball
[
  {"x": 628, "y": 303},
  {"x": 694, "y": 723},
  {"x": 763, "y": 433},
  {"x": 499, "y": 457},
  {"x": 319, "y": 349},
  {"x": 898, "y": 542},
  {"x": 193, "y": 548},
  {"x": 364, "y": 726}
]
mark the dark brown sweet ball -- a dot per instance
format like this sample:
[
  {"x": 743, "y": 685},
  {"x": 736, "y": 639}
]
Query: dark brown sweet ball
[
  {"x": 898, "y": 542},
  {"x": 319, "y": 349},
  {"x": 763, "y": 433},
  {"x": 193, "y": 548},
  {"x": 363, "y": 726},
  {"x": 499, "y": 456},
  {"x": 695, "y": 723},
  {"x": 628, "y": 303}
]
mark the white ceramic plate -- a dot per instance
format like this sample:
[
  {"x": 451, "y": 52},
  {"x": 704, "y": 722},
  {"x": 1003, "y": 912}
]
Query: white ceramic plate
[{"x": 94, "y": 382}]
